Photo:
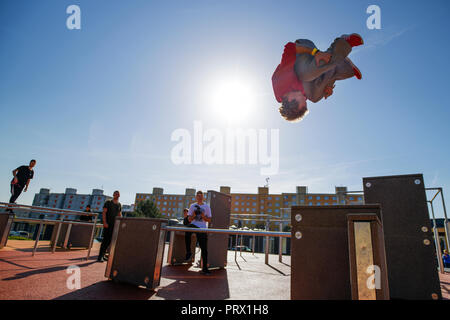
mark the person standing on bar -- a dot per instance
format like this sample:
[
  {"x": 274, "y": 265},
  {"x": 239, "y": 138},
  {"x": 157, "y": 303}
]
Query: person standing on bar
[
  {"x": 111, "y": 210},
  {"x": 199, "y": 215},
  {"x": 21, "y": 180}
]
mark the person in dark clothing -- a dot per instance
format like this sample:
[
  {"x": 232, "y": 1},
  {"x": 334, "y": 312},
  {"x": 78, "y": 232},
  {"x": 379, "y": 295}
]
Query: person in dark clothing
[
  {"x": 111, "y": 210},
  {"x": 22, "y": 176},
  {"x": 187, "y": 235},
  {"x": 446, "y": 259},
  {"x": 199, "y": 216},
  {"x": 86, "y": 218}
]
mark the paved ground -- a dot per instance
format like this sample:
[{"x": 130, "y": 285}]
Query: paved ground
[{"x": 44, "y": 276}]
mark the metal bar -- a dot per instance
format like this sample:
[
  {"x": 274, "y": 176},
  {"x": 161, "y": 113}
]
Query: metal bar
[
  {"x": 253, "y": 244},
  {"x": 37, "y": 238},
  {"x": 227, "y": 231},
  {"x": 66, "y": 238},
  {"x": 91, "y": 241},
  {"x": 267, "y": 251},
  {"x": 280, "y": 245},
  {"x": 58, "y": 230},
  {"x": 242, "y": 243},
  {"x": 171, "y": 241},
  {"x": 445, "y": 219},
  {"x": 437, "y": 241},
  {"x": 45, "y": 209}
]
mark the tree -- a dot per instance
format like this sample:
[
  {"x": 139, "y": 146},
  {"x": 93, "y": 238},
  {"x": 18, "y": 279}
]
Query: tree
[{"x": 148, "y": 209}]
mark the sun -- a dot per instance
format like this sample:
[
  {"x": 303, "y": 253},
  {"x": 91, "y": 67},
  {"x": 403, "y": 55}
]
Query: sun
[{"x": 233, "y": 100}]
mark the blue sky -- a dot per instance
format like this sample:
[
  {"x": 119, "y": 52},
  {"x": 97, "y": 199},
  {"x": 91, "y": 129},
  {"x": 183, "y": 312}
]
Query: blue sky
[{"x": 97, "y": 106}]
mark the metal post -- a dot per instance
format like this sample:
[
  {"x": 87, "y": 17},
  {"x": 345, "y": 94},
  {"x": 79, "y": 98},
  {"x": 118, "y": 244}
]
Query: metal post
[
  {"x": 91, "y": 241},
  {"x": 242, "y": 243},
  {"x": 445, "y": 220},
  {"x": 66, "y": 238},
  {"x": 37, "y": 238},
  {"x": 437, "y": 241},
  {"x": 280, "y": 245},
  {"x": 58, "y": 230},
  {"x": 253, "y": 245},
  {"x": 267, "y": 251},
  {"x": 171, "y": 241}
]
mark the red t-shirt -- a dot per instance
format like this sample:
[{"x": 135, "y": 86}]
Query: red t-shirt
[{"x": 284, "y": 79}]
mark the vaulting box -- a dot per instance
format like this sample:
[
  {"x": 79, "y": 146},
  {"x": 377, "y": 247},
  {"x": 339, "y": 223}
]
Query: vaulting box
[
  {"x": 410, "y": 249},
  {"x": 220, "y": 204},
  {"x": 6, "y": 220},
  {"x": 137, "y": 250},
  {"x": 337, "y": 253}
]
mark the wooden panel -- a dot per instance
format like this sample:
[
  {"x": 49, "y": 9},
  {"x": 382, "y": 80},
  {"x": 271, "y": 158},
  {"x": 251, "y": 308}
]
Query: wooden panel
[
  {"x": 320, "y": 257},
  {"x": 136, "y": 246},
  {"x": 220, "y": 204},
  {"x": 410, "y": 252}
]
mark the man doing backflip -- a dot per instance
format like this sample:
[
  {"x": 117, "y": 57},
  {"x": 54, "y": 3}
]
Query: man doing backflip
[{"x": 305, "y": 73}]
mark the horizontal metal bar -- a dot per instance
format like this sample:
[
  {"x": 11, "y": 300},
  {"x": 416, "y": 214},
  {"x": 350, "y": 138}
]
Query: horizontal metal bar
[
  {"x": 228, "y": 231},
  {"x": 45, "y": 209},
  {"x": 52, "y": 222}
]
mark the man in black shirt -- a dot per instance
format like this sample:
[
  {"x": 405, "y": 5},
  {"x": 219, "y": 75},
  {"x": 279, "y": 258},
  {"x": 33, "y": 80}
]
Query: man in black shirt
[
  {"x": 111, "y": 210},
  {"x": 22, "y": 176}
]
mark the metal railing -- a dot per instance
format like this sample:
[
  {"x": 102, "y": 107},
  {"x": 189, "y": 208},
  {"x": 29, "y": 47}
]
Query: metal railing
[
  {"x": 62, "y": 213},
  {"x": 266, "y": 234}
]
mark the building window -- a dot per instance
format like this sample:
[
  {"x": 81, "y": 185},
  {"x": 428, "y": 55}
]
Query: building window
[
  {"x": 236, "y": 209},
  {"x": 302, "y": 201},
  {"x": 326, "y": 203},
  {"x": 350, "y": 198},
  {"x": 310, "y": 198},
  {"x": 359, "y": 198},
  {"x": 277, "y": 198},
  {"x": 269, "y": 198},
  {"x": 237, "y": 197},
  {"x": 310, "y": 203},
  {"x": 236, "y": 203},
  {"x": 277, "y": 210},
  {"x": 334, "y": 198},
  {"x": 318, "y": 198},
  {"x": 326, "y": 198}
]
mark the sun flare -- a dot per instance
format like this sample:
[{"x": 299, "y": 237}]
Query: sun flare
[{"x": 233, "y": 100}]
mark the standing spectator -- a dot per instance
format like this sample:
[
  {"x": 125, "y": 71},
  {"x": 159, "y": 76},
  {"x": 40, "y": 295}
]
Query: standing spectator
[
  {"x": 111, "y": 210},
  {"x": 22, "y": 176},
  {"x": 199, "y": 214},
  {"x": 187, "y": 235},
  {"x": 446, "y": 259},
  {"x": 86, "y": 218}
]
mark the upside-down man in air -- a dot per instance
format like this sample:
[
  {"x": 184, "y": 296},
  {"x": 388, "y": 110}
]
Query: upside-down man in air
[{"x": 305, "y": 73}]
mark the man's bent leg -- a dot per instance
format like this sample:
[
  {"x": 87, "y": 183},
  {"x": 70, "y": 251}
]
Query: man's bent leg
[
  {"x": 307, "y": 69},
  {"x": 16, "y": 190}
]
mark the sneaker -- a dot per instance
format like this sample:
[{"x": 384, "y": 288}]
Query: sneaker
[
  {"x": 354, "y": 39},
  {"x": 100, "y": 259},
  {"x": 205, "y": 272}
]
